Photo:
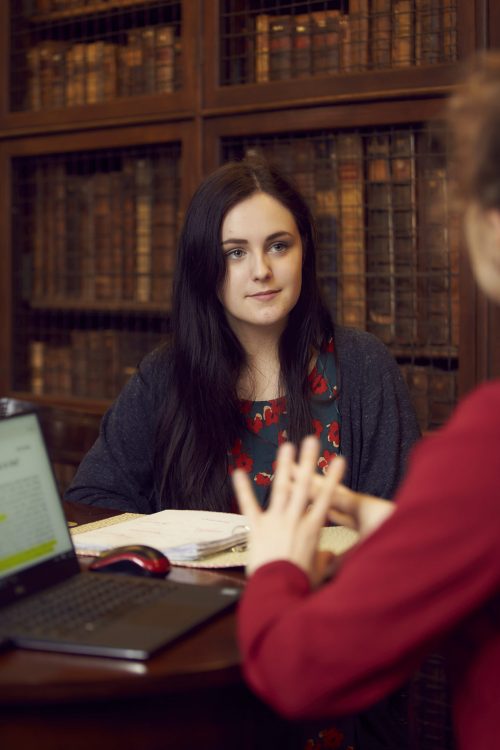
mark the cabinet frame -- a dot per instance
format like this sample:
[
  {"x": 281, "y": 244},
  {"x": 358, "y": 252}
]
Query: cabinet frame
[
  {"x": 364, "y": 85},
  {"x": 177, "y": 105},
  {"x": 203, "y": 112},
  {"x": 184, "y": 133}
]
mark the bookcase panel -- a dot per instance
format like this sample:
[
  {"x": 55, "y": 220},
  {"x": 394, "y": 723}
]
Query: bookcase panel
[
  {"x": 66, "y": 54},
  {"x": 387, "y": 242},
  {"x": 279, "y": 39},
  {"x": 278, "y": 51},
  {"x": 334, "y": 89},
  {"x": 95, "y": 250}
]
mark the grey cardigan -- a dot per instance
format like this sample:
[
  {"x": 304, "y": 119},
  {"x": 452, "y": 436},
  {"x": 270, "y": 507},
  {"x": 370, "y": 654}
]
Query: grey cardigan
[{"x": 378, "y": 429}]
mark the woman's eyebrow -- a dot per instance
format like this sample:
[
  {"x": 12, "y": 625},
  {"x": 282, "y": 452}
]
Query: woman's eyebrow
[
  {"x": 234, "y": 240},
  {"x": 272, "y": 236}
]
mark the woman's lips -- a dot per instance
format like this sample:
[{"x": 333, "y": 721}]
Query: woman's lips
[{"x": 265, "y": 295}]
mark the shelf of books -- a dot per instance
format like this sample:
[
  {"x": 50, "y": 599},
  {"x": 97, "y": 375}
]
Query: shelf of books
[
  {"x": 342, "y": 48},
  {"x": 98, "y": 58},
  {"x": 387, "y": 243},
  {"x": 96, "y": 234}
]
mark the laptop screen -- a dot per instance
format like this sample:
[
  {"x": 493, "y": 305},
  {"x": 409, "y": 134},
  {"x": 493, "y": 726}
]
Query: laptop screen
[{"x": 33, "y": 528}]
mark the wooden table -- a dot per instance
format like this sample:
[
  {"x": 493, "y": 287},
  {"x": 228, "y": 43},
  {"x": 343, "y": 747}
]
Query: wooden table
[{"x": 190, "y": 696}]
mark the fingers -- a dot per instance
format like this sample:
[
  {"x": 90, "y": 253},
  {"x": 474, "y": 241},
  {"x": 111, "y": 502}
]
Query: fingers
[
  {"x": 280, "y": 492},
  {"x": 319, "y": 509},
  {"x": 342, "y": 519},
  {"x": 245, "y": 495},
  {"x": 303, "y": 476}
]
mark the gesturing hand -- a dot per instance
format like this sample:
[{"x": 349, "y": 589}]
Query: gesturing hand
[{"x": 290, "y": 528}]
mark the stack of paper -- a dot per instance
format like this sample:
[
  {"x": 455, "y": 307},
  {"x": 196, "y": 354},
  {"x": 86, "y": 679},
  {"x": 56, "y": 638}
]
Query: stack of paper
[{"x": 182, "y": 535}]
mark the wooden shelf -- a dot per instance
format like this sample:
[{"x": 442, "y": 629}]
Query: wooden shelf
[{"x": 91, "y": 8}]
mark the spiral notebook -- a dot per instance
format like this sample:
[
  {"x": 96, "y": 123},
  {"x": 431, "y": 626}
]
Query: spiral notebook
[{"x": 182, "y": 535}]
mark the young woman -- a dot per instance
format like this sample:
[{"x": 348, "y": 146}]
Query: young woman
[
  {"x": 254, "y": 360},
  {"x": 431, "y": 572}
]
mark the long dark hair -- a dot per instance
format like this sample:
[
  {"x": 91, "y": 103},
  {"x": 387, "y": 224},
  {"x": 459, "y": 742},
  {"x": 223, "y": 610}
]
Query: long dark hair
[{"x": 201, "y": 419}]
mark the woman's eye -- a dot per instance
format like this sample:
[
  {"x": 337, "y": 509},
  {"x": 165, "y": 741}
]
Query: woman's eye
[
  {"x": 236, "y": 253},
  {"x": 279, "y": 247}
]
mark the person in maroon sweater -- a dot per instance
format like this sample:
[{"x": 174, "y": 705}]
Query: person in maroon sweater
[{"x": 427, "y": 572}]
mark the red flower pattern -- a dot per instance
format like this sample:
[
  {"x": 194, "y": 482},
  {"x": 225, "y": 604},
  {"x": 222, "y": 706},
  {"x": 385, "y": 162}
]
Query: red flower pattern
[
  {"x": 271, "y": 414},
  {"x": 334, "y": 434},
  {"x": 263, "y": 479},
  {"x": 317, "y": 427},
  {"x": 243, "y": 461},
  {"x": 282, "y": 437},
  {"x": 318, "y": 382},
  {"x": 256, "y": 424},
  {"x": 265, "y": 426},
  {"x": 324, "y": 460}
]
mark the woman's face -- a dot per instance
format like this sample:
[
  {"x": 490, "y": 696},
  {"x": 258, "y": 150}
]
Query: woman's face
[
  {"x": 263, "y": 257},
  {"x": 482, "y": 229}
]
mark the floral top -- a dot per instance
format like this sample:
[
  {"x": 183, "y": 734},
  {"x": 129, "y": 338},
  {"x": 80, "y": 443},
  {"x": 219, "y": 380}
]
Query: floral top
[{"x": 266, "y": 426}]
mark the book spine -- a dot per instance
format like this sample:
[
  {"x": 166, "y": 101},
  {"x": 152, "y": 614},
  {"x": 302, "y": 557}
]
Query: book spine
[
  {"x": 380, "y": 261},
  {"x": 38, "y": 289},
  {"x": 380, "y": 42},
  {"x": 359, "y": 34},
  {"x": 327, "y": 212},
  {"x": 108, "y": 72},
  {"x": 127, "y": 266},
  {"x": 58, "y": 189},
  {"x": 116, "y": 233},
  {"x": 280, "y": 47},
  {"x": 164, "y": 59},
  {"x": 79, "y": 369},
  {"x": 433, "y": 252},
  {"x": 427, "y": 31},
  {"x": 404, "y": 203},
  {"x": 164, "y": 229},
  {"x": 148, "y": 45},
  {"x": 34, "y": 92},
  {"x": 449, "y": 26},
  {"x": 143, "y": 206},
  {"x": 327, "y": 42},
  {"x": 103, "y": 271},
  {"x": 74, "y": 214},
  {"x": 402, "y": 33},
  {"x": 93, "y": 72},
  {"x": 37, "y": 362},
  {"x": 87, "y": 238},
  {"x": 262, "y": 48},
  {"x": 302, "y": 63},
  {"x": 417, "y": 380},
  {"x": 134, "y": 59},
  {"x": 442, "y": 395},
  {"x": 350, "y": 182}
]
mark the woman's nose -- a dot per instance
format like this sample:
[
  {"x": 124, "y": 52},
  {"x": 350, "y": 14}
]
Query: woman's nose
[{"x": 261, "y": 267}]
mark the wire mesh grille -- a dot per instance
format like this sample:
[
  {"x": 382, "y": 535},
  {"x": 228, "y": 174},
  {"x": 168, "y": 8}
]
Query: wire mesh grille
[
  {"x": 66, "y": 53},
  {"x": 273, "y": 40},
  {"x": 388, "y": 243},
  {"x": 95, "y": 236}
]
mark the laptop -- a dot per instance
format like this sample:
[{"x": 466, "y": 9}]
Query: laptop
[{"x": 46, "y": 601}]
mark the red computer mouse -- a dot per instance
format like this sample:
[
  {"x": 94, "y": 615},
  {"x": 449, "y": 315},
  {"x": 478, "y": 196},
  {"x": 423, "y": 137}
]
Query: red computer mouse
[{"x": 133, "y": 559}]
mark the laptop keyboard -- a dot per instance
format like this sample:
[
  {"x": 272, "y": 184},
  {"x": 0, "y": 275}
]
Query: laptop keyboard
[{"x": 85, "y": 601}]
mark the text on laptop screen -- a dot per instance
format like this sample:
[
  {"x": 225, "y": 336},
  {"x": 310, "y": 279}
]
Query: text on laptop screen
[{"x": 32, "y": 525}]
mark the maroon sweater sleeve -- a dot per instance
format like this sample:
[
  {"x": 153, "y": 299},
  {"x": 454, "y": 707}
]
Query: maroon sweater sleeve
[{"x": 339, "y": 649}]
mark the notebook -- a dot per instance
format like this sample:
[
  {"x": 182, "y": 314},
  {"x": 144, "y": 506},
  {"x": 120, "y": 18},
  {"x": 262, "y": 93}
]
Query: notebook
[{"x": 46, "y": 601}]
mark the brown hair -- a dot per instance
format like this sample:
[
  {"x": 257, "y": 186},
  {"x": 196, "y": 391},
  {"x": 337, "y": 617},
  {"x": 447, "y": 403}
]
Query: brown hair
[{"x": 473, "y": 117}]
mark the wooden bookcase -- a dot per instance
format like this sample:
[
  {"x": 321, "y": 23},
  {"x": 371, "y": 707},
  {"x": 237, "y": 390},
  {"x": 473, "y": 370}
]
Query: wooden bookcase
[{"x": 112, "y": 110}]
